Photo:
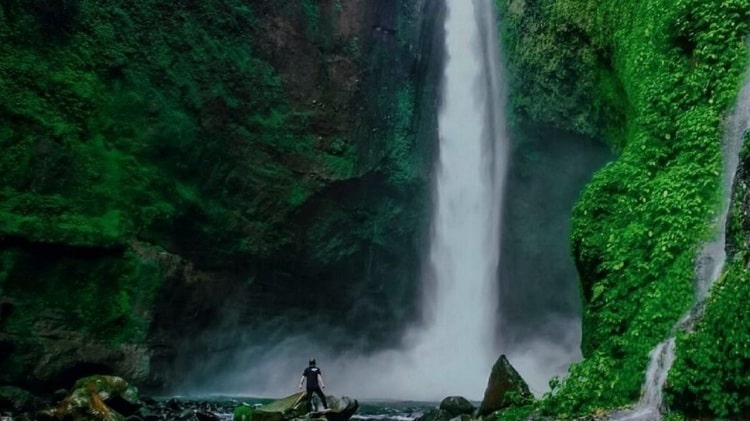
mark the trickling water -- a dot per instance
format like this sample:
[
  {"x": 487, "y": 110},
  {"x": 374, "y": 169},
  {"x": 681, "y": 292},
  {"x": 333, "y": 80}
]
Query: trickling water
[
  {"x": 709, "y": 265},
  {"x": 456, "y": 344}
]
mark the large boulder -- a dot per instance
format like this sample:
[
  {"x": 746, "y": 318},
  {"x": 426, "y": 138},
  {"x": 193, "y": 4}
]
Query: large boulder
[
  {"x": 98, "y": 397},
  {"x": 292, "y": 406},
  {"x": 504, "y": 381},
  {"x": 456, "y": 405},
  {"x": 295, "y": 407},
  {"x": 452, "y": 407},
  {"x": 339, "y": 409}
]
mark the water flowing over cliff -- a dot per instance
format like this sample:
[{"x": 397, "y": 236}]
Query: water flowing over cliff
[{"x": 461, "y": 280}]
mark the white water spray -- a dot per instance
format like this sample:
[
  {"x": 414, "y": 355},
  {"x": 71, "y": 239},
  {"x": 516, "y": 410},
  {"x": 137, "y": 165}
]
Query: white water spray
[{"x": 709, "y": 266}]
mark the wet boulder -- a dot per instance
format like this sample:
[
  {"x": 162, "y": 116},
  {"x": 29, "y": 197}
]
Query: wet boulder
[
  {"x": 456, "y": 405},
  {"x": 339, "y": 409},
  {"x": 295, "y": 407},
  {"x": 504, "y": 382},
  {"x": 292, "y": 406}
]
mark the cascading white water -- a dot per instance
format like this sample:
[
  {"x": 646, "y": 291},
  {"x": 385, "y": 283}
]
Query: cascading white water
[
  {"x": 709, "y": 265},
  {"x": 457, "y": 341}
]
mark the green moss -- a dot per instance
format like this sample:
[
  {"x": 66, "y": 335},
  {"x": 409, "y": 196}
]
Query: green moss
[
  {"x": 108, "y": 122},
  {"x": 552, "y": 59},
  {"x": 109, "y": 301},
  {"x": 520, "y": 413},
  {"x": 401, "y": 154},
  {"x": 243, "y": 413}
]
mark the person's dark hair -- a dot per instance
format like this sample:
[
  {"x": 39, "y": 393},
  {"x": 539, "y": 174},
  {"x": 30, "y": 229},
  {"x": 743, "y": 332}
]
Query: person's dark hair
[{"x": 312, "y": 361}]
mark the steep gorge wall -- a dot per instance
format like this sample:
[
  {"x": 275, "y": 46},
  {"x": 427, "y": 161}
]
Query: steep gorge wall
[
  {"x": 656, "y": 80},
  {"x": 173, "y": 170}
]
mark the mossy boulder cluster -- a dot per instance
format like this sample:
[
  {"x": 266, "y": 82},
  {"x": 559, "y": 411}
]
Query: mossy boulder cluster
[{"x": 111, "y": 398}]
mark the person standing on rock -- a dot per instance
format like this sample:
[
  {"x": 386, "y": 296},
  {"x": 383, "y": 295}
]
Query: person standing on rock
[{"x": 314, "y": 378}]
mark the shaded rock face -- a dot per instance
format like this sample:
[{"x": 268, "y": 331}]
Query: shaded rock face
[
  {"x": 504, "y": 380},
  {"x": 16, "y": 400},
  {"x": 194, "y": 164}
]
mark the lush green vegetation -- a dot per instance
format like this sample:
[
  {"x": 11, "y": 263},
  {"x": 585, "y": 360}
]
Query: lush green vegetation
[
  {"x": 710, "y": 376},
  {"x": 114, "y": 120},
  {"x": 656, "y": 78}
]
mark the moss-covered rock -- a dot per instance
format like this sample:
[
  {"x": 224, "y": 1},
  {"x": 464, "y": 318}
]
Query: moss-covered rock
[
  {"x": 99, "y": 397},
  {"x": 456, "y": 405},
  {"x": 503, "y": 387}
]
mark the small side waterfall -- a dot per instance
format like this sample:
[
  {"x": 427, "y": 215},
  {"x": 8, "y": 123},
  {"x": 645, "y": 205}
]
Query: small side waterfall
[{"x": 709, "y": 265}]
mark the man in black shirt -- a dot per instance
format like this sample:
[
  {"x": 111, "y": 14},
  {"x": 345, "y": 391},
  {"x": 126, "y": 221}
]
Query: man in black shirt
[{"x": 314, "y": 378}]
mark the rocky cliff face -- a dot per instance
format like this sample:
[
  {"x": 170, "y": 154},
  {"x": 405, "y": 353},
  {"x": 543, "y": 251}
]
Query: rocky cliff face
[{"x": 171, "y": 171}]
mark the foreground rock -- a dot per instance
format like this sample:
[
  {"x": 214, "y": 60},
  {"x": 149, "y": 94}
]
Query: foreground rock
[
  {"x": 450, "y": 408},
  {"x": 504, "y": 383},
  {"x": 98, "y": 397},
  {"x": 295, "y": 407},
  {"x": 111, "y": 398},
  {"x": 456, "y": 405}
]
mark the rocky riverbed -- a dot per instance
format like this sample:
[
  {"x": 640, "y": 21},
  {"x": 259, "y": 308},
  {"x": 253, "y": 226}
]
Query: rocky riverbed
[{"x": 112, "y": 398}]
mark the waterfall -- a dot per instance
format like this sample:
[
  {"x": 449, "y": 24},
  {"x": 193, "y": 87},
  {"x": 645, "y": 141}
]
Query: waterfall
[
  {"x": 452, "y": 351},
  {"x": 709, "y": 265},
  {"x": 457, "y": 341}
]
